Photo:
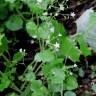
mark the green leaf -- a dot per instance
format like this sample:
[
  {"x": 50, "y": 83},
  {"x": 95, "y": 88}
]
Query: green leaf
[
  {"x": 45, "y": 56},
  {"x": 37, "y": 7},
  {"x": 58, "y": 76},
  {"x": 4, "y": 82},
  {"x": 47, "y": 68},
  {"x": 59, "y": 28},
  {"x": 94, "y": 87},
  {"x": 18, "y": 56},
  {"x": 30, "y": 76},
  {"x": 14, "y": 23},
  {"x": 11, "y": 94},
  {"x": 45, "y": 30},
  {"x": 70, "y": 83},
  {"x": 3, "y": 13},
  {"x": 26, "y": 92},
  {"x": 83, "y": 45},
  {"x": 3, "y": 43},
  {"x": 38, "y": 89},
  {"x": 10, "y": 1},
  {"x": 1, "y": 29},
  {"x": 69, "y": 93},
  {"x": 55, "y": 87},
  {"x": 31, "y": 28},
  {"x": 69, "y": 49}
]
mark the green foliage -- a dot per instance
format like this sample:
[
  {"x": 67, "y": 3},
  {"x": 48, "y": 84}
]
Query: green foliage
[
  {"x": 4, "y": 81},
  {"x": 83, "y": 46},
  {"x": 31, "y": 28},
  {"x": 48, "y": 74},
  {"x": 18, "y": 56},
  {"x": 14, "y": 23},
  {"x": 3, "y": 43},
  {"x": 10, "y": 1},
  {"x": 45, "y": 56},
  {"x": 71, "y": 52},
  {"x": 3, "y": 13},
  {"x": 70, "y": 83},
  {"x": 37, "y": 6},
  {"x": 69, "y": 93},
  {"x": 45, "y": 30}
]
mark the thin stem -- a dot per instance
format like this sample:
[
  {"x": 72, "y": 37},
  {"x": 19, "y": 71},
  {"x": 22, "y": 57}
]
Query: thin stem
[
  {"x": 13, "y": 86},
  {"x": 53, "y": 94},
  {"x": 34, "y": 66},
  {"x": 62, "y": 89},
  {"x": 27, "y": 66},
  {"x": 6, "y": 59},
  {"x": 37, "y": 31},
  {"x": 23, "y": 85},
  {"x": 40, "y": 44},
  {"x": 20, "y": 14},
  {"x": 38, "y": 68}
]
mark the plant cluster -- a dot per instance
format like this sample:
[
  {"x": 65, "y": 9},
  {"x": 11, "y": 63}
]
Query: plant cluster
[{"x": 55, "y": 48}]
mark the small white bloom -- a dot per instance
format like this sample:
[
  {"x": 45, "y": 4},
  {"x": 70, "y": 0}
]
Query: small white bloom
[
  {"x": 56, "y": 50},
  {"x": 61, "y": 7},
  {"x": 59, "y": 34},
  {"x": 39, "y": 1},
  {"x": 47, "y": 41},
  {"x": 72, "y": 14},
  {"x": 56, "y": 14},
  {"x": 56, "y": 45},
  {"x": 50, "y": 14},
  {"x": 52, "y": 29},
  {"x": 24, "y": 50},
  {"x": 45, "y": 13},
  {"x": 34, "y": 36},
  {"x": 20, "y": 50},
  {"x": 32, "y": 41},
  {"x": 71, "y": 73},
  {"x": 75, "y": 65},
  {"x": 76, "y": 46}
]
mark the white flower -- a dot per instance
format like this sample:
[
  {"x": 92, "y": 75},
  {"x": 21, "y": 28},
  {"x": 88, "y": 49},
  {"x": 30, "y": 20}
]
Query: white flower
[
  {"x": 32, "y": 41},
  {"x": 39, "y": 1},
  {"x": 56, "y": 14},
  {"x": 61, "y": 7},
  {"x": 59, "y": 34},
  {"x": 56, "y": 50},
  {"x": 56, "y": 45},
  {"x": 45, "y": 13},
  {"x": 20, "y": 50},
  {"x": 52, "y": 29},
  {"x": 72, "y": 14},
  {"x": 50, "y": 14},
  {"x": 24, "y": 50},
  {"x": 75, "y": 65},
  {"x": 34, "y": 36},
  {"x": 71, "y": 73},
  {"x": 47, "y": 41}
]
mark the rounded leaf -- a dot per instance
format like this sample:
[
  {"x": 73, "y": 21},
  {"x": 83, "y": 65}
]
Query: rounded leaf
[
  {"x": 31, "y": 28},
  {"x": 69, "y": 93},
  {"x": 14, "y": 23}
]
